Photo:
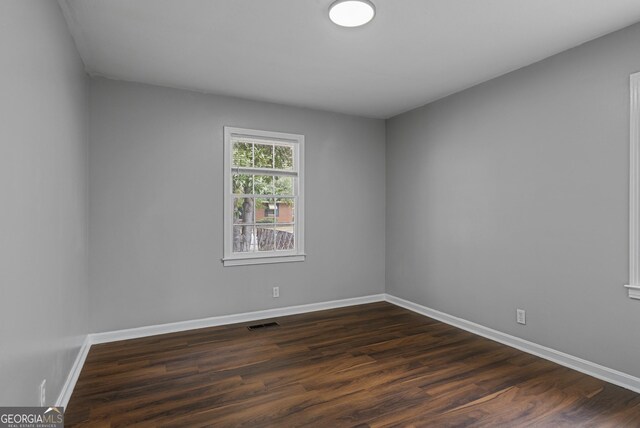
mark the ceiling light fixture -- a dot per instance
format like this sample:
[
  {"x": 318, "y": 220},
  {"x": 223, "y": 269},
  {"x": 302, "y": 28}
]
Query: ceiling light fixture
[{"x": 351, "y": 13}]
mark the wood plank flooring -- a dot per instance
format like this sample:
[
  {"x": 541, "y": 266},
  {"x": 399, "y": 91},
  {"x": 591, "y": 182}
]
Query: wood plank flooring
[{"x": 373, "y": 365}]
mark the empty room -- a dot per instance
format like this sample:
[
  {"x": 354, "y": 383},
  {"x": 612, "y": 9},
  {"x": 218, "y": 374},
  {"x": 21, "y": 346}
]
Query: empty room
[{"x": 320, "y": 213}]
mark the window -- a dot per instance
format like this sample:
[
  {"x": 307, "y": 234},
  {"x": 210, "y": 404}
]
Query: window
[
  {"x": 263, "y": 197},
  {"x": 634, "y": 191}
]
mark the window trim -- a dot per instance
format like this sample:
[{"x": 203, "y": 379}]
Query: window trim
[
  {"x": 238, "y": 259},
  {"x": 634, "y": 188}
]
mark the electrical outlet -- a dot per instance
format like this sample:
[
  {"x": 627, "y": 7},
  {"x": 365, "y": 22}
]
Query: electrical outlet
[
  {"x": 276, "y": 291},
  {"x": 43, "y": 392},
  {"x": 521, "y": 316}
]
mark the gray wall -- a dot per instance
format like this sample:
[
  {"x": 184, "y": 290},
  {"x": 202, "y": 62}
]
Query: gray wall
[
  {"x": 43, "y": 250},
  {"x": 514, "y": 194},
  {"x": 156, "y": 207}
]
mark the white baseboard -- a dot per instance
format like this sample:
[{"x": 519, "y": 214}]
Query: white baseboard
[
  {"x": 152, "y": 330},
  {"x": 587, "y": 367},
  {"x": 74, "y": 373}
]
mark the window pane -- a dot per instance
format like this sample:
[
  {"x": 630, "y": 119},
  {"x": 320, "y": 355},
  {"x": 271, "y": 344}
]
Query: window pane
[
  {"x": 286, "y": 210},
  {"x": 243, "y": 154},
  {"x": 283, "y": 186},
  {"x": 243, "y": 239},
  {"x": 243, "y": 209},
  {"x": 265, "y": 238},
  {"x": 283, "y": 157},
  {"x": 262, "y": 218},
  {"x": 284, "y": 237},
  {"x": 266, "y": 210},
  {"x": 263, "y": 156},
  {"x": 242, "y": 184},
  {"x": 263, "y": 184}
]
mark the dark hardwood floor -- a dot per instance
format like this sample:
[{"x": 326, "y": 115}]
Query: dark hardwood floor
[{"x": 372, "y": 365}]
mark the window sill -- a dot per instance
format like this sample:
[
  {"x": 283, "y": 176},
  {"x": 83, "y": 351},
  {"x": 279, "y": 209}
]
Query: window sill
[
  {"x": 634, "y": 291},
  {"x": 261, "y": 260}
]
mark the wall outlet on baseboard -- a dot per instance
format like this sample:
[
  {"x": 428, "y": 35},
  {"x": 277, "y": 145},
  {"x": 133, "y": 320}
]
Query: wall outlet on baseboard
[
  {"x": 521, "y": 316},
  {"x": 276, "y": 291},
  {"x": 43, "y": 392}
]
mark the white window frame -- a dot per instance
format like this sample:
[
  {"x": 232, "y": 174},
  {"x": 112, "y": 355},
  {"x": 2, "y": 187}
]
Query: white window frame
[
  {"x": 297, "y": 254},
  {"x": 634, "y": 190}
]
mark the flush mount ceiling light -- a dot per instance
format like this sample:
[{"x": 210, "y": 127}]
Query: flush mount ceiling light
[{"x": 351, "y": 13}]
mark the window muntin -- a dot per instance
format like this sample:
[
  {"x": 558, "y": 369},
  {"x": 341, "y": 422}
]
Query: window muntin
[{"x": 263, "y": 196}]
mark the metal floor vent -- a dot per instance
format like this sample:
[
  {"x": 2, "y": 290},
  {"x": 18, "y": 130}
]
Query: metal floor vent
[{"x": 263, "y": 326}]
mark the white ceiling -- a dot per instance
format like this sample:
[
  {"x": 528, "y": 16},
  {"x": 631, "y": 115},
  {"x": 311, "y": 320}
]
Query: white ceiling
[{"x": 287, "y": 51}]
